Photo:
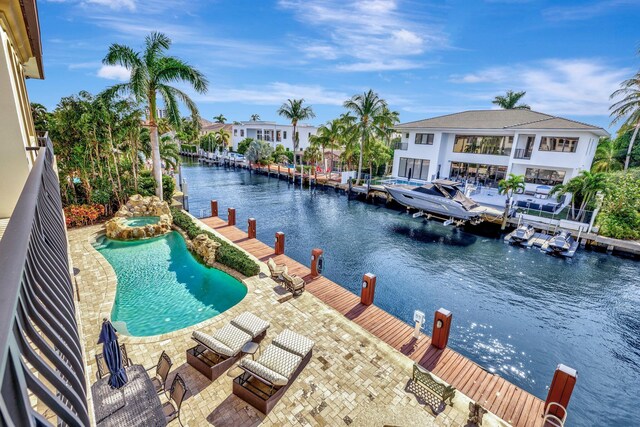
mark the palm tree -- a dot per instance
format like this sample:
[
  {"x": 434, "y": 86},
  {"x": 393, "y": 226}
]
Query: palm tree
[
  {"x": 628, "y": 109},
  {"x": 510, "y": 101},
  {"x": 255, "y": 117},
  {"x": 583, "y": 188},
  {"x": 169, "y": 152},
  {"x": 294, "y": 111},
  {"x": 330, "y": 135},
  {"x": 510, "y": 186},
  {"x": 220, "y": 118},
  {"x": 367, "y": 108},
  {"x": 607, "y": 157},
  {"x": 259, "y": 152},
  {"x": 222, "y": 138},
  {"x": 152, "y": 72}
]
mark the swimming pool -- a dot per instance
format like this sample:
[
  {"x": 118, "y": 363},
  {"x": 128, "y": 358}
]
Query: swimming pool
[
  {"x": 517, "y": 312},
  {"x": 163, "y": 288}
]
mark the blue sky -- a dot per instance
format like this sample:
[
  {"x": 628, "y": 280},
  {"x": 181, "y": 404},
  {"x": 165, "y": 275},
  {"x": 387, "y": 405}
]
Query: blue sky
[{"x": 425, "y": 58}]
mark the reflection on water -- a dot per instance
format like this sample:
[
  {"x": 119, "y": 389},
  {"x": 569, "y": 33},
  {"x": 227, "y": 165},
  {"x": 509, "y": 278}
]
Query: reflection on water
[{"x": 516, "y": 311}]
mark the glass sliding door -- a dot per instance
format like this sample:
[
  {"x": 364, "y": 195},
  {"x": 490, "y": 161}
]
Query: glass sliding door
[{"x": 414, "y": 168}]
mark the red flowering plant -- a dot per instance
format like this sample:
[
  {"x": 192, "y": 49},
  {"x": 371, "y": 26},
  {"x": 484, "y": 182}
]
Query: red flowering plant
[{"x": 81, "y": 215}]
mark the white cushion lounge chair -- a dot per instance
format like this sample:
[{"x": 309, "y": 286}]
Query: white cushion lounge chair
[
  {"x": 266, "y": 380},
  {"x": 215, "y": 353}
]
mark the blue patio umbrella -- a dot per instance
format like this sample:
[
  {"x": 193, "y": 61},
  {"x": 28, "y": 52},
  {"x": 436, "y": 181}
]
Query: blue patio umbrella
[{"x": 112, "y": 355}]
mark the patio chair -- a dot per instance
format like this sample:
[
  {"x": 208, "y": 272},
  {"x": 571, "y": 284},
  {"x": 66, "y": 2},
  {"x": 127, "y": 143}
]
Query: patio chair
[
  {"x": 276, "y": 270},
  {"x": 103, "y": 370},
  {"x": 162, "y": 371},
  {"x": 293, "y": 283},
  {"x": 265, "y": 380},
  {"x": 216, "y": 353},
  {"x": 177, "y": 393}
]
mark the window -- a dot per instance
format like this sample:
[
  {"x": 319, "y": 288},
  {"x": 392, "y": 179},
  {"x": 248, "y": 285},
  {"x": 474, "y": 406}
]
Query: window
[
  {"x": 406, "y": 135},
  {"x": 544, "y": 176},
  {"x": 474, "y": 144},
  {"x": 414, "y": 168},
  {"x": 483, "y": 174},
  {"x": 309, "y": 136},
  {"x": 241, "y": 132},
  {"x": 284, "y": 134},
  {"x": 564, "y": 145},
  {"x": 259, "y": 134},
  {"x": 424, "y": 138},
  {"x": 278, "y": 135}
]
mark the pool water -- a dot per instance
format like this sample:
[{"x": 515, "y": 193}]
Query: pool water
[
  {"x": 141, "y": 221},
  {"x": 163, "y": 288},
  {"x": 517, "y": 312}
]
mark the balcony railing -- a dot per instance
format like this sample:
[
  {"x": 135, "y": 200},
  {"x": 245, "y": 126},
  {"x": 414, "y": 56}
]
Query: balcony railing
[
  {"x": 400, "y": 145},
  {"x": 42, "y": 378},
  {"x": 522, "y": 153}
]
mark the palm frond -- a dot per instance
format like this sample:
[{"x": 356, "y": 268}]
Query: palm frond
[
  {"x": 119, "y": 54},
  {"x": 155, "y": 44},
  {"x": 170, "y": 69}
]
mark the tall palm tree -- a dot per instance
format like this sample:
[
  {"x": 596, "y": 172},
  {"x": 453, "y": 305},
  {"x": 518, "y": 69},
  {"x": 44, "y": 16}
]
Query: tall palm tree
[
  {"x": 152, "y": 72},
  {"x": 169, "y": 152},
  {"x": 330, "y": 135},
  {"x": 222, "y": 138},
  {"x": 367, "y": 108},
  {"x": 510, "y": 186},
  {"x": 295, "y": 111},
  {"x": 607, "y": 157},
  {"x": 628, "y": 110},
  {"x": 220, "y": 118},
  {"x": 510, "y": 101},
  {"x": 255, "y": 117},
  {"x": 583, "y": 189}
]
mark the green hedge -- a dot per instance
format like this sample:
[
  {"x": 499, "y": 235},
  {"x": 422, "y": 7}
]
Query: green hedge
[
  {"x": 227, "y": 254},
  {"x": 620, "y": 214}
]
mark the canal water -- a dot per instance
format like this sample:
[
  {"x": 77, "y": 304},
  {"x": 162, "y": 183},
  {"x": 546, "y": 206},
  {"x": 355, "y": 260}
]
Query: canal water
[{"x": 516, "y": 312}]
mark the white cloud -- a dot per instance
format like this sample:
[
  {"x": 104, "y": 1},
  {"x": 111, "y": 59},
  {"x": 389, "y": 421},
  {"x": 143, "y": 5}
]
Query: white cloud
[
  {"x": 114, "y": 4},
  {"x": 370, "y": 35},
  {"x": 114, "y": 72},
  {"x": 585, "y": 11},
  {"x": 555, "y": 86},
  {"x": 274, "y": 94}
]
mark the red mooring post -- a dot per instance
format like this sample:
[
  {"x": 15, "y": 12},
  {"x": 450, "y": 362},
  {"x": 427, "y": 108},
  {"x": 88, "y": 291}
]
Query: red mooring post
[
  {"x": 441, "y": 328},
  {"x": 564, "y": 379},
  {"x": 214, "y": 208},
  {"x": 316, "y": 262},
  {"x": 279, "y": 249},
  {"x": 232, "y": 217},
  {"x": 368, "y": 289},
  {"x": 252, "y": 228}
]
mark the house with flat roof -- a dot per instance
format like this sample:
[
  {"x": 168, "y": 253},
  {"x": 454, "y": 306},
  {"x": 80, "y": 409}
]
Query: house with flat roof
[
  {"x": 273, "y": 133},
  {"x": 484, "y": 146}
]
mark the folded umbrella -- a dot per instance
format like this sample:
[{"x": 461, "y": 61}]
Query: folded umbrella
[{"x": 112, "y": 355}]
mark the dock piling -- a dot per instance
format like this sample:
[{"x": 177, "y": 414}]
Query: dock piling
[
  {"x": 317, "y": 262},
  {"x": 441, "y": 328},
  {"x": 368, "y": 289},
  {"x": 232, "y": 217},
  {"x": 214, "y": 208},
  {"x": 279, "y": 249},
  {"x": 564, "y": 379},
  {"x": 252, "y": 228}
]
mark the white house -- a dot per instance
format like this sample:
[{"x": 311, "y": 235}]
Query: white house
[
  {"x": 484, "y": 146},
  {"x": 273, "y": 133}
]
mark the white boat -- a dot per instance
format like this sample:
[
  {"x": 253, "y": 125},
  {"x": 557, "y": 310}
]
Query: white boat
[
  {"x": 562, "y": 243},
  {"x": 442, "y": 198},
  {"x": 522, "y": 234}
]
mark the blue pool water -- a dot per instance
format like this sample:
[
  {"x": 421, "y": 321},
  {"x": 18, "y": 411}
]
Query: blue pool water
[
  {"x": 516, "y": 312},
  {"x": 162, "y": 288},
  {"x": 141, "y": 221}
]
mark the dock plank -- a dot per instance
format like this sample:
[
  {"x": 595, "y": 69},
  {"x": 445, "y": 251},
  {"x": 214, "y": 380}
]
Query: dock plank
[{"x": 502, "y": 398}]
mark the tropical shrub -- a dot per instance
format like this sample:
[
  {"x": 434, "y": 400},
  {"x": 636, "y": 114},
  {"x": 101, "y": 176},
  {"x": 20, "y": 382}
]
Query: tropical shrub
[
  {"x": 189, "y": 148},
  {"x": 147, "y": 186},
  {"x": 81, "y": 215},
  {"x": 259, "y": 152},
  {"x": 227, "y": 254},
  {"x": 620, "y": 214},
  {"x": 243, "y": 145}
]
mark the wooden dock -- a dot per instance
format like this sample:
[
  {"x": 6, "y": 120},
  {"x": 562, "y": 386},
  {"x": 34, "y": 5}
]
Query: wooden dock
[{"x": 510, "y": 403}]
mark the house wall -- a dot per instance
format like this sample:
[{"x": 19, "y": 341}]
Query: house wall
[
  {"x": 440, "y": 154},
  {"x": 250, "y": 130}
]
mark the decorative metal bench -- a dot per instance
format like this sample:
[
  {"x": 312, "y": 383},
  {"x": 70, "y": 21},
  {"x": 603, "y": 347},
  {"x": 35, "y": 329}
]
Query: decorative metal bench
[{"x": 424, "y": 378}]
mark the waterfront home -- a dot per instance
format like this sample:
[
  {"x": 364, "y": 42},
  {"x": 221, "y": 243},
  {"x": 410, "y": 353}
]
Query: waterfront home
[
  {"x": 484, "y": 146},
  {"x": 273, "y": 133}
]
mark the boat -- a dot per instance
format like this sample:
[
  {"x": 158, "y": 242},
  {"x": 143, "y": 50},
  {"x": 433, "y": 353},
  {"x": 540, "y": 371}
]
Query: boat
[
  {"x": 522, "y": 234},
  {"x": 562, "y": 243},
  {"x": 443, "y": 198}
]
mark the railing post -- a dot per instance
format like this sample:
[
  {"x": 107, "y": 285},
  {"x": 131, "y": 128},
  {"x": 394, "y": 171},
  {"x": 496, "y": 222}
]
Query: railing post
[
  {"x": 214, "y": 208},
  {"x": 368, "y": 289},
  {"x": 317, "y": 262},
  {"x": 232, "y": 217},
  {"x": 252, "y": 228},
  {"x": 441, "y": 328},
  {"x": 279, "y": 249}
]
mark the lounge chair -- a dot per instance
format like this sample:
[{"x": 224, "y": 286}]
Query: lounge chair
[
  {"x": 293, "y": 283},
  {"x": 215, "y": 354},
  {"x": 162, "y": 371},
  {"x": 265, "y": 380},
  {"x": 276, "y": 270},
  {"x": 103, "y": 369},
  {"x": 178, "y": 391}
]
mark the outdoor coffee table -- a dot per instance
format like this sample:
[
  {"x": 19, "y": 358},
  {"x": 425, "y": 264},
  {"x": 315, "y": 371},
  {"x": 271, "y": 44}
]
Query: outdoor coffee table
[
  {"x": 134, "y": 404},
  {"x": 251, "y": 348}
]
